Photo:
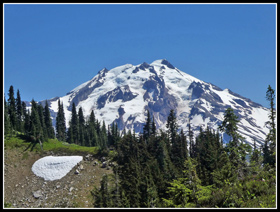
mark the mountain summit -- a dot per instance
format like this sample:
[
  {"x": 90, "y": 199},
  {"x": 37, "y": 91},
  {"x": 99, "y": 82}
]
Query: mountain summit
[{"x": 125, "y": 93}]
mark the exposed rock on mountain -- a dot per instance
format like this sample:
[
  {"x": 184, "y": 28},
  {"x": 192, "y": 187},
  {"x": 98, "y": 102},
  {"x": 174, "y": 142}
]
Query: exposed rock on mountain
[{"x": 124, "y": 94}]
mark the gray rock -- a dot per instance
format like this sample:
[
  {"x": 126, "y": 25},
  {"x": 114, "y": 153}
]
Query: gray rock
[
  {"x": 104, "y": 164},
  {"x": 37, "y": 194},
  {"x": 88, "y": 157}
]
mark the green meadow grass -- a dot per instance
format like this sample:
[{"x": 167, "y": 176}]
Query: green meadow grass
[{"x": 25, "y": 143}]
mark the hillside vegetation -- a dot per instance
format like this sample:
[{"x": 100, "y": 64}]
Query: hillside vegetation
[{"x": 152, "y": 169}]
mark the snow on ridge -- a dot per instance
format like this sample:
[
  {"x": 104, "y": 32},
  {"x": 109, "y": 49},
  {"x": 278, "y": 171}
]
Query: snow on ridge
[
  {"x": 157, "y": 62},
  {"x": 131, "y": 78},
  {"x": 55, "y": 167}
]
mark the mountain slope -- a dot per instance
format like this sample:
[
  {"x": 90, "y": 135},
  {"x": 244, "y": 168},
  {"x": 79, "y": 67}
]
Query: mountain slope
[{"x": 124, "y": 94}]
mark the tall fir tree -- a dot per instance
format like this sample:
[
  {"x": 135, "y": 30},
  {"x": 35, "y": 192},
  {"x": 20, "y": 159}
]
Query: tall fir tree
[
  {"x": 60, "y": 123},
  {"x": 207, "y": 153},
  {"x": 129, "y": 170},
  {"x": 172, "y": 126},
  {"x": 81, "y": 127},
  {"x": 183, "y": 149},
  {"x": 40, "y": 111},
  {"x": 27, "y": 123},
  {"x": 19, "y": 112},
  {"x": 186, "y": 191},
  {"x": 191, "y": 140},
  {"x": 229, "y": 125},
  {"x": 7, "y": 124},
  {"x": 91, "y": 128},
  {"x": 184, "y": 145},
  {"x": 103, "y": 137},
  {"x": 48, "y": 121},
  {"x": 24, "y": 117},
  {"x": 269, "y": 148},
  {"x": 35, "y": 124},
  {"x": 154, "y": 128},
  {"x": 73, "y": 131},
  {"x": 12, "y": 108},
  {"x": 225, "y": 172},
  {"x": 255, "y": 160},
  {"x": 234, "y": 148},
  {"x": 147, "y": 126}
]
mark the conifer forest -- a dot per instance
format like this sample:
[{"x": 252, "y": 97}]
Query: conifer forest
[{"x": 157, "y": 168}]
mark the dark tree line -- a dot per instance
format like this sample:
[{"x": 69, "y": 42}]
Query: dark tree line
[
  {"x": 163, "y": 169},
  {"x": 170, "y": 169},
  {"x": 269, "y": 150},
  {"x": 90, "y": 132},
  {"x": 37, "y": 124}
]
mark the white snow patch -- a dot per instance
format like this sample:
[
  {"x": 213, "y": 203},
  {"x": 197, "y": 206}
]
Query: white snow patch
[
  {"x": 55, "y": 167},
  {"x": 261, "y": 116},
  {"x": 197, "y": 119}
]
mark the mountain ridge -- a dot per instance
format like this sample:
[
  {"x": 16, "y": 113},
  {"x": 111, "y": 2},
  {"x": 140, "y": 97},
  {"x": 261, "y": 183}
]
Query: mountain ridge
[{"x": 123, "y": 95}]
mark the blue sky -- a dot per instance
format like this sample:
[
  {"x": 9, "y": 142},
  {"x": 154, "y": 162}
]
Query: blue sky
[{"x": 49, "y": 49}]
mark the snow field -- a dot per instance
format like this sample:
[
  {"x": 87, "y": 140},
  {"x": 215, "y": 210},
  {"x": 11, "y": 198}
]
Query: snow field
[
  {"x": 55, "y": 167},
  {"x": 177, "y": 84}
]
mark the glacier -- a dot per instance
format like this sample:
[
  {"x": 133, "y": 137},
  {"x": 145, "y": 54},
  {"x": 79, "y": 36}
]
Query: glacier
[{"x": 125, "y": 93}]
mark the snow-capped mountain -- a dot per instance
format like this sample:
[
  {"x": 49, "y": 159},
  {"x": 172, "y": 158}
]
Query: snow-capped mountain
[{"x": 125, "y": 93}]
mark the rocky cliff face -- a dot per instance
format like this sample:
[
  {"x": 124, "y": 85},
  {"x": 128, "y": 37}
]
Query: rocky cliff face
[{"x": 125, "y": 93}]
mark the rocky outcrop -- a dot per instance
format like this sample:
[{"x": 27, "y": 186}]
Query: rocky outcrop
[{"x": 119, "y": 93}]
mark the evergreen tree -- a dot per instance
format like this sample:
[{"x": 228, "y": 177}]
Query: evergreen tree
[
  {"x": 147, "y": 127},
  {"x": 92, "y": 118},
  {"x": 191, "y": 140},
  {"x": 26, "y": 118},
  {"x": 225, "y": 172},
  {"x": 91, "y": 128},
  {"x": 184, "y": 145},
  {"x": 154, "y": 128},
  {"x": 129, "y": 170},
  {"x": 255, "y": 160},
  {"x": 19, "y": 112},
  {"x": 172, "y": 126},
  {"x": 40, "y": 111},
  {"x": 81, "y": 127},
  {"x": 152, "y": 194},
  {"x": 48, "y": 121},
  {"x": 103, "y": 145},
  {"x": 266, "y": 153},
  {"x": 35, "y": 124},
  {"x": 73, "y": 131},
  {"x": 234, "y": 147},
  {"x": 229, "y": 125},
  {"x": 113, "y": 134},
  {"x": 256, "y": 154},
  {"x": 270, "y": 143},
  {"x": 187, "y": 191},
  {"x": 60, "y": 123},
  {"x": 27, "y": 123},
  {"x": 12, "y": 108},
  {"x": 7, "y": 124},
  {"x": 163, "y": 157},
  {"x": 270, "y": 96},
  {"x": 103, "y": 196},
  {"x": 207, "y": 154}
]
